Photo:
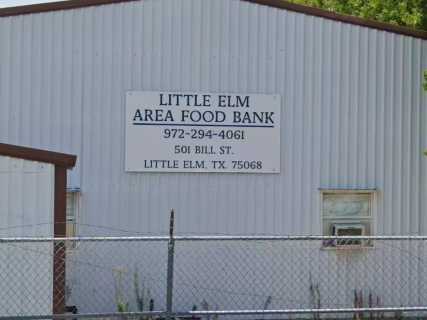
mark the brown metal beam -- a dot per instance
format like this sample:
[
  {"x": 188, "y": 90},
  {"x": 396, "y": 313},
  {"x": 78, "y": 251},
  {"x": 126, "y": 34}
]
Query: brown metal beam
[{"x": 279, "y": 4}]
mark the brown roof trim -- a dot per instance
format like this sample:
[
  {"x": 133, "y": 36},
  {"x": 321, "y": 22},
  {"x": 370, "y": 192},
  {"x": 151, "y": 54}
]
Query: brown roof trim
[
  {"x": 280, "y": 4},
  {"x": 55, "y": 6},
  {"x": 56, "y": 158}
]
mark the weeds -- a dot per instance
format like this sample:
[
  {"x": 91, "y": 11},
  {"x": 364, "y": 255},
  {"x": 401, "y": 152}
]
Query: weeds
[
  {"x": 142, "y": 296},
  {"x": 315, "y": 297},
  {"x": 121, "y": 304},
  {"x": 373, "y": 302},
  {"x": 143, "y": 299}
]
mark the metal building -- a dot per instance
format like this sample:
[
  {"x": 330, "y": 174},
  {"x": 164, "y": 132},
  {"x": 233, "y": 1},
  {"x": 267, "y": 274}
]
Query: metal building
[{"x": 352, "y": 112}]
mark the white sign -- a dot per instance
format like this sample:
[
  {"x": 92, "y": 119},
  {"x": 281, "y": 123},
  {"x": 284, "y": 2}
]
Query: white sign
[{"x": 202, "y": 132}]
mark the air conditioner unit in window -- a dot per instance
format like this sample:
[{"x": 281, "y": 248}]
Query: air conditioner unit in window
[{"x": 348, "y": 230}]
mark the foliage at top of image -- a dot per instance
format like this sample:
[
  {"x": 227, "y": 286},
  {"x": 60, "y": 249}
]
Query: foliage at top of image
[{"x": 409, "y": 13}]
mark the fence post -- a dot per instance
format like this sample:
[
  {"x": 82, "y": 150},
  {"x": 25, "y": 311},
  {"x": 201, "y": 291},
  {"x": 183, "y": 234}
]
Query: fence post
[{"x": 171, "y": 253}]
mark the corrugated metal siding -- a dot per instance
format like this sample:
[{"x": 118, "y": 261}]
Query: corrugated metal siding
[
  {"x": 26, "y": 198},
  {"x": 353, "y": 112},
  {"x": 26, "y": 209}
]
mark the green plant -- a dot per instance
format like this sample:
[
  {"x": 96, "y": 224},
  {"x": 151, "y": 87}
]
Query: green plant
[
  {"x": 410, "y": 13},
  {"x": 122, "y": 307},
  {"x": 139, "y": 293},
  {"x": 142, "y": 296},
  {"x": 121, "y": 304}
]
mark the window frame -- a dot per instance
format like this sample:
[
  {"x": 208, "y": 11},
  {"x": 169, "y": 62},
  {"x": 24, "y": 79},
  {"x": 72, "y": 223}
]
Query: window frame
[
  {"x": 371, "y": 219},
  {"x": 76, "y": 199}
]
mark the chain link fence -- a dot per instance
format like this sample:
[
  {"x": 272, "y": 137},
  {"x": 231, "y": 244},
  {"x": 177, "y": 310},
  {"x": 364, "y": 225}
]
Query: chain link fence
[{"x": 213, "y": 277}]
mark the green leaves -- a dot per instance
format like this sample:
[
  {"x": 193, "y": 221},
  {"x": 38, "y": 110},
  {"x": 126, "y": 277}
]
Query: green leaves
[{"x": 410, "y": 13}]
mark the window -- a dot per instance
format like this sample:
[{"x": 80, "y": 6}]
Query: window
[
  {"x": 347, "y": 213},
  {"x": 73, "y": 206}
]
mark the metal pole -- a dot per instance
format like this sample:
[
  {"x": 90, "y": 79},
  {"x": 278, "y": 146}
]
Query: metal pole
[{"x": 171, "y": 249}]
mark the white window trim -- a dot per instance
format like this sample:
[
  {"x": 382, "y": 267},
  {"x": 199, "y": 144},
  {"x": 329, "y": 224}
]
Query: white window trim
[
  {"x": 77, "y": 194},
  {"x": 373, "y": 193}
]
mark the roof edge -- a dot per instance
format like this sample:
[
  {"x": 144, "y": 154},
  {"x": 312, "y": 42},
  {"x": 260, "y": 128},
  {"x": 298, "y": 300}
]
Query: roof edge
[
  {"x": 280, "y": 4},
  {"x": 58, "y": 159},
  {"x": 54, "y": 6},
  {"x": 322, "y": 13}
]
